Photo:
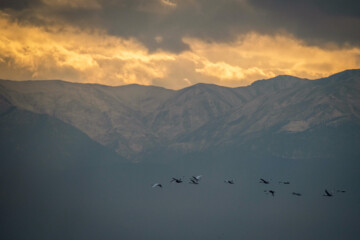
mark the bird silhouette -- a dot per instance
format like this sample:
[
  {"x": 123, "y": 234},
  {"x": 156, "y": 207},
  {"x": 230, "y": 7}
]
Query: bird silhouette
[
  {"x": 296, "y": 194},
  {"x": 229, "y": 181},
  {"x": 327, "y": 194},
  {"x": 197, "y": 178},
  {"x": 192, "y": 181},
  {"x": 264, "y": 181},
  {"x": 285, "y": 182},
  {"x": 157, "y": 185},
  {"x": 272, "y": 192},
  {"x": 177, "y": 180}
]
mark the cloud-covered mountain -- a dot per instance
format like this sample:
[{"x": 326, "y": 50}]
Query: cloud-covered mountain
[{"x": 284, "y": 116}]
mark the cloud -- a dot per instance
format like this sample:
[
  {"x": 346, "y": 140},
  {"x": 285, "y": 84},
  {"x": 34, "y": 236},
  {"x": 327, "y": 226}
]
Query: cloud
[
  {"x": 169, "y": 3},
  {"x": 230, "y": 73},
  {"x": 316, "y": 22},
  {"x": 94, "y": 56},
  {"x": 77, "y": 54},
  {"x": 255, "y": 56},
  {"x": 77, "y": 4}
]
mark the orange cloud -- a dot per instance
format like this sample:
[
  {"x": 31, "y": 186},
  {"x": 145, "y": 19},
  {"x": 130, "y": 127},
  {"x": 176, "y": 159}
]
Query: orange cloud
[
  {"x": 78, "y": 55},
  {"x": 92, "y": 55},
  {"x": 168, "y": 3},
  {"x": 253, "y": 56},
  {"x": 225, "y": 71}
]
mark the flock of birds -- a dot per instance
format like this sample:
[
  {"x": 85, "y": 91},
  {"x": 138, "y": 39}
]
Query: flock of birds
[
  {"x": 196, "y": 180},
  {"x": 193, "y": 180}
]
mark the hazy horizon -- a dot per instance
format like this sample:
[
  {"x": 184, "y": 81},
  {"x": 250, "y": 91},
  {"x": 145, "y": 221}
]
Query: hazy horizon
[{"x": 176, "y": 89}]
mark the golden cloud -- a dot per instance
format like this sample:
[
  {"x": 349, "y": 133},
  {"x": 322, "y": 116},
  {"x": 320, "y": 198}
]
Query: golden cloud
[
  {"x": 225, "y": 71},
  {"x": 78, "y": 55},
  {"x": 253, "y": 56},
  {"x": 92, "y": 55},
  {"x": 168, "y": 3}
]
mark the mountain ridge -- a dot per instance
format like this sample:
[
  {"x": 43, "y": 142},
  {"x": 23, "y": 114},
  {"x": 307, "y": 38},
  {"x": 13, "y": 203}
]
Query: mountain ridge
[
  {"x": 278, "y": 77},
  {"x": 136, "y": 119}
]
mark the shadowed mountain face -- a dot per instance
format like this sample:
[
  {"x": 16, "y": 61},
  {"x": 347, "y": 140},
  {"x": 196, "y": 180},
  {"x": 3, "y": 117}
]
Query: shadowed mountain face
[
  {"x": 31, "y": 142},
  {"x": 140, "y": 122}
]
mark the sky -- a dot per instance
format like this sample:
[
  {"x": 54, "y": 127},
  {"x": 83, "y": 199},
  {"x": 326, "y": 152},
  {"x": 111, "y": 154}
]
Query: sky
[{"x": 177, "y": 43}]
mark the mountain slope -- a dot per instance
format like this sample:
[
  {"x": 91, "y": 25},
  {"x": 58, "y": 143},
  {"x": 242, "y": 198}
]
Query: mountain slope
[
  {"x": 306, "y": 110},
  {"x": 30, "y": 141},
  {"x": 48, "y": 170},
  {"x": 104, "y": 113},
  {"x": 192, "y": 107}
]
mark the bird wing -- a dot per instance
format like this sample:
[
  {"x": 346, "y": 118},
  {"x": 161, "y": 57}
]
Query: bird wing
[
  {"x": 264, "y": 181},
  {"x": 193, "y": 181}
]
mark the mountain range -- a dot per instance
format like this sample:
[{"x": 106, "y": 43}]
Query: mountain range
[
  {"x": 284, "y": 116},
  {"x": 77, "y": 161}
]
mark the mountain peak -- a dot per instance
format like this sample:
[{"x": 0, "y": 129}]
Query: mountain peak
[
  {"x": 280, "y": 79},
  {"x": 278, "y": 83},
  {"x": 347, "y": 74},
  {"x": 202, "y": 86}
]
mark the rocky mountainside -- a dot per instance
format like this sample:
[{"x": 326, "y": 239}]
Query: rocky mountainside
[
  {"x": 291, "y": 108},
  {"x": 141, "y": 122}
]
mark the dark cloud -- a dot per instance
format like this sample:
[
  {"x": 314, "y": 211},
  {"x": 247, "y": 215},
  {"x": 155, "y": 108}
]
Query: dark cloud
[
  {"x": 299, "y": 7},
  {"x": 163, "y": 25},
  {"x": 17, "y": 4},
  {"x": 203, "y": 19},
  {"x": 315, "y": 21}
]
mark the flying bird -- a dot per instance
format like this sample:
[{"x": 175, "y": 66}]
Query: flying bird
[
  {"x": 192, "y": 181},
  {"x": 229, "y": 181},
  {"x": 342, "y": 191},
  {"x": 285, "y": 182},
  {"x": 177, "y": 180},
  {"x": 157, "y": 185},
  {"x": 264, "y": 181},
  {"x": 327, "y": 194},
  {"x": 272, "y": 192},
  {"x": 296, "y": 194},
  {"x": 197, "y": 178}
]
